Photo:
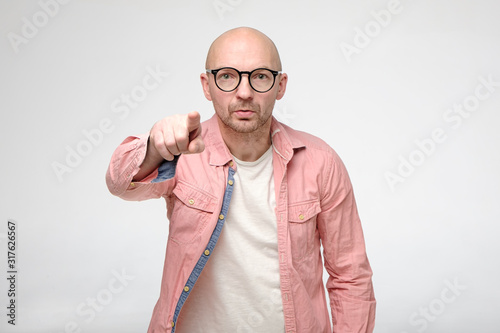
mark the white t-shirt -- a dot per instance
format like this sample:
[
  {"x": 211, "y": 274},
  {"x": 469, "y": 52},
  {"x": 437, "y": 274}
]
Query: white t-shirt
[{"x": 239, "y": 288}]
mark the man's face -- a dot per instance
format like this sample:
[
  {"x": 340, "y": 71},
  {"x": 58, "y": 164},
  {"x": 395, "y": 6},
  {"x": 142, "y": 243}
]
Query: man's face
[{"x": 243, "y": 110}]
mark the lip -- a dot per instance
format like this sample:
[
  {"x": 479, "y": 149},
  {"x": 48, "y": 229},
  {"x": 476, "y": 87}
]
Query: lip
[{"x": 244, "y": 113}]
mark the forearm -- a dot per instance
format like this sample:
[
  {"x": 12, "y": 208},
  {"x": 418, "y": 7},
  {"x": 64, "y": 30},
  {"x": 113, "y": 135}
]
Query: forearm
[
  {"x": 349, "y": 284},
  {"x": 151, "y": 162},
  {"x": 352, "y": 298},
  {"x": 125, "y": 165}
]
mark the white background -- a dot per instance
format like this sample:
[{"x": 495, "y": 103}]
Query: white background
[{"x": 434, "y": 227}]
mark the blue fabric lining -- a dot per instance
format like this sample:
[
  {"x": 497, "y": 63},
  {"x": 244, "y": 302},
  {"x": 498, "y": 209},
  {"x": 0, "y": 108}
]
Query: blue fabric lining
[
  {"x": 210, "y": 247},
  {"x": 166, "y": 170}
]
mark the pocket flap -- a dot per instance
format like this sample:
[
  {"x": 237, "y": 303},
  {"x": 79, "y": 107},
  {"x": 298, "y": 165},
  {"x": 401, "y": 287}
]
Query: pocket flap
[
  {"x": 303, "y": 211},
  {"x": 195, "y": 197}
]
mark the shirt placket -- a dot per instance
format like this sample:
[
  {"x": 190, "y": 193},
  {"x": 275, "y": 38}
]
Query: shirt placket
[
  {"x": 202, "y": 261},
  {"x": 285, "y": 284}
]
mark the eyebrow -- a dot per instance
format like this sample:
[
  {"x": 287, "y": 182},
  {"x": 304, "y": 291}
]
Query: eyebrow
[{"x": 265, "y": 67}]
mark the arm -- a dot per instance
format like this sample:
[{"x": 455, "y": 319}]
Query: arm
[
  {"x": 349, "y": 284},
  {"x": 135, "y": 164}
]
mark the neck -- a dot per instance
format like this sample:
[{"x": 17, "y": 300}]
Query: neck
[{"x": 247, "y": 146}]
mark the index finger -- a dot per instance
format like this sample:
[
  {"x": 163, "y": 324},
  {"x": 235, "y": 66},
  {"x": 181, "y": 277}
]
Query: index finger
[
  {"x": 193, "y": 121},
  {"x": 193, "y": 124}
]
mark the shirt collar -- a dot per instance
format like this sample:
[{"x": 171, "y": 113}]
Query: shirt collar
[
  {"x": 284, "y": 139},
  {"x": 214, "y": 144}
]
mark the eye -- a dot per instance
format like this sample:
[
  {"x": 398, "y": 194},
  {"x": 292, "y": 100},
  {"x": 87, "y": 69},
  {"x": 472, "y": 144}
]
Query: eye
[
  {"x": 226, "y": 75},
  {"x": 262, "y": 76}
]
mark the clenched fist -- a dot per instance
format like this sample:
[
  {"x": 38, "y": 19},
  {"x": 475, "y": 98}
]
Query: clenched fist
[
  {"x": 178, "y": 134},
  {"x": 173, "y": 135}
]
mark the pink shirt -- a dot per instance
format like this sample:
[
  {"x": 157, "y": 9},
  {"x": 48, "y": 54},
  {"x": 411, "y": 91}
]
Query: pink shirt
[{"x": 314, "y": 205}]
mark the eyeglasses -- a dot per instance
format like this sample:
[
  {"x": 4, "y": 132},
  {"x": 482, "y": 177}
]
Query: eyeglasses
[{"x": 228, "y": 79}]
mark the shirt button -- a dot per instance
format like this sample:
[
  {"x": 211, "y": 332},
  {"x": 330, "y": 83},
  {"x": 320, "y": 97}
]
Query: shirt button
[
  {"x": 207, "y": 252},
  {"x": 301, "y": 216},
  {"x": 132, "y": 184},
  {"x": 230, "y": 182},
  {"x": 191, "y": 201},
  {"x": 221, "y": 217},
  {"x": 186, "y": 288},
  {"x": 172, "y": 324},
  {"x": 231, "y": 163}
]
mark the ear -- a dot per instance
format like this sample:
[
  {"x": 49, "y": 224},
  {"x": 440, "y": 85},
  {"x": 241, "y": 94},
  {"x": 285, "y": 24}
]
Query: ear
[
  {"x": 282, "y": 86},
  {"x": 205, "y": 86}
]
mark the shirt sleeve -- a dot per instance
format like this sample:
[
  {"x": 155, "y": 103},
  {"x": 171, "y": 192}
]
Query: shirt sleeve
[
  {"x": 349, "y": 283},
  {"x": 125, "y": 164}
]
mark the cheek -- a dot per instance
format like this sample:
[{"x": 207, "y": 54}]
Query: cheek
[
  {"x": 220, "y": 105},
  {"x": 224, "y": 101},
  {"x": 270, "y": 105}
]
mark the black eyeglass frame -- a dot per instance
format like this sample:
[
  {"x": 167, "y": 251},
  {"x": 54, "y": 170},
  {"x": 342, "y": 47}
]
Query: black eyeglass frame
[{"x": 215, "y": 71}]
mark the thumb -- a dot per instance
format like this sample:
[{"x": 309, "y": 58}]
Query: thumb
[{"x": 196, "y": 145}]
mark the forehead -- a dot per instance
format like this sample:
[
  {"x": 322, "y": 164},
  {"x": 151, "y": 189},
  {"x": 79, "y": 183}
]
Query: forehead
[{"x": 244, "y": 52}]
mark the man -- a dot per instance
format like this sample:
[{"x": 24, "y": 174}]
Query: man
[{"x": 249, "y": 202}]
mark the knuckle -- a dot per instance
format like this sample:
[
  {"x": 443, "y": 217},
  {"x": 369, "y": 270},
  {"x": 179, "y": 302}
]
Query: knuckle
[
  {"x": 170, "y": 143},
  {"x": 158, "y": 142}
]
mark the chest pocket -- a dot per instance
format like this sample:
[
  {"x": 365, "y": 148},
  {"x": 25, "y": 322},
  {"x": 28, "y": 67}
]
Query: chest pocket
[
  {"x": 302, "y": 227},
  {"x": 191, "y": 210}
]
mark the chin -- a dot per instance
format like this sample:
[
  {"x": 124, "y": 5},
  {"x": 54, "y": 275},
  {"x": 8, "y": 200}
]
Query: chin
[{"x": 244, "y": 126}]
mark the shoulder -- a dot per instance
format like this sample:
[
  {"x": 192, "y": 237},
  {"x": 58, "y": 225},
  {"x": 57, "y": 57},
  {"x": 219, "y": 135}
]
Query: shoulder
[
  {"x": 315, "y": 155},
  {"x": 307, "y": 143},
  {"x": 316, "y": 160}
]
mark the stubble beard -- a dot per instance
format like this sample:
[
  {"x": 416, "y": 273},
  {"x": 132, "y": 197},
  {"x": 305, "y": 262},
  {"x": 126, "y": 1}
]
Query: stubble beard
[{"x": 244, "y": 126}]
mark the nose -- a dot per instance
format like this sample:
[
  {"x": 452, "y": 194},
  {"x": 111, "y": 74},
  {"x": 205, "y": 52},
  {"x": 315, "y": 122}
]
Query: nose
[{"x": 244, "y": 90}]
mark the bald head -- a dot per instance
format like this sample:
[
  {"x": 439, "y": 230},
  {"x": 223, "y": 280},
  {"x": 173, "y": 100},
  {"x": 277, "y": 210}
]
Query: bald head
[{"x": 245, "y": 44}]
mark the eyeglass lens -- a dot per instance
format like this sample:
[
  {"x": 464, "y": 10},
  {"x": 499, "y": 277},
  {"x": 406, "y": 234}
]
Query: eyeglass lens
[{"x": 260, "y": 79}]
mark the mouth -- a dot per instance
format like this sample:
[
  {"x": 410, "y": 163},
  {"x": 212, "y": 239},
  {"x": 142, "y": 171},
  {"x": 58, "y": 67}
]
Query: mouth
[{"x": 244, "y": 113}]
